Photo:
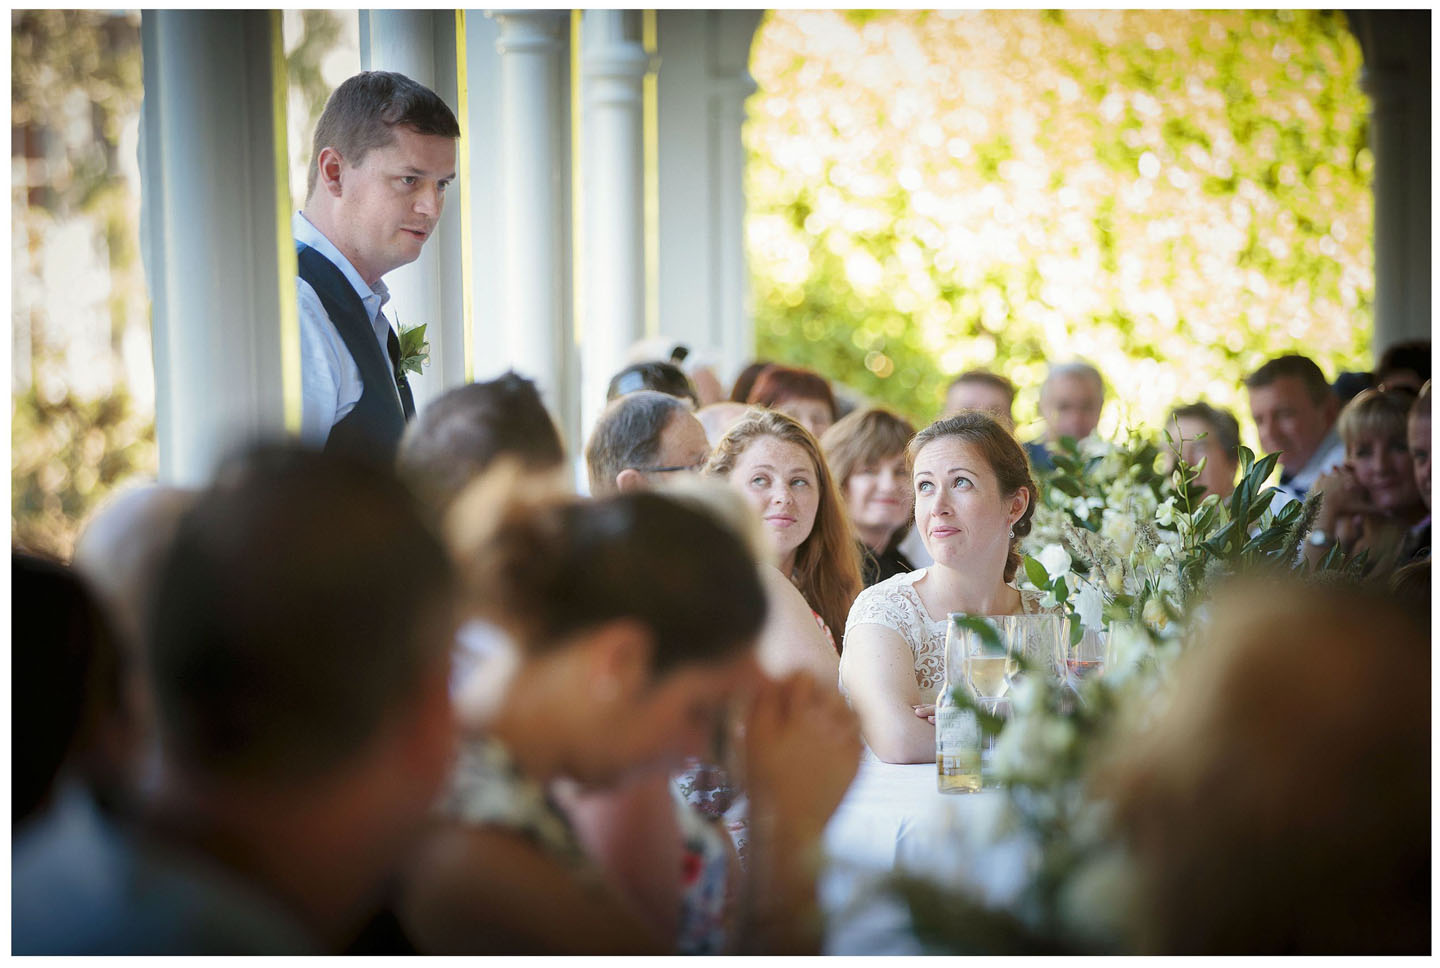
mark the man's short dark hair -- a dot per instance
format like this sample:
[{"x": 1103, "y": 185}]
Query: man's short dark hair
[
  {"x": 361, "y": 112},
  {"x": 300, "y": 607},
  {"x": 1293, "y": 365},
  {"x": 985, "y": 378},
  {"x": 462, "y": 432},
  {"x": 1224, "y": 428},
  {"x": 628, "y": 435},
  {"x": 1413, "y": 356},
  {"x": 652, "y": 375}
]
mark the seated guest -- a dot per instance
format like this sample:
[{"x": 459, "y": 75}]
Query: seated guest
[
  {"x": 641, "y": 439},
  {"x": 717, "y": 418},
  {"x": 745, "y": 381},
  {"x": 1294, "y": 411},
  {"x": 982, "y": 390},
  {"x": 1070, "y": 402},
  {"x": 298, "y": 653},
  {"x": 1404, "y": 365},
  {"x": 802, "y": 395},
  {"x": 974, "y": 500},
  {"x": 632, "y": 830},
  {"x": 1371, "y": 500},
  {"x": 866, "y": 453},
  {"x": 1234, "y": 849},
  {"x": 615, "y": 609},
  {"x": 1202, "y": 432},
  {"x": 1348, "y": 383},
  {"x": 776, "y": 465},
  {"x": 1417, "y": 544},
  {"x": 698, "y": 366},
  {"x": 66, "y": 667},
  {"x": 653, "y": 375},
  {"x": 461, "y": 433}
]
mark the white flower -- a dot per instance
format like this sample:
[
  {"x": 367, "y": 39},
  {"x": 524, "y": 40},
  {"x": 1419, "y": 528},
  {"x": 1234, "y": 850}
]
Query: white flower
[
  {"x": 1082, "y": 509},
  {"x": 1165, "y": 513},
  {"x": 1048, "y": 600},
  {"x": 1090, "y": 605},
  {"x": 1115, "y": 578},
  {"x": 1055, "y": 559},
  {"x": 1119, "y": 528}
]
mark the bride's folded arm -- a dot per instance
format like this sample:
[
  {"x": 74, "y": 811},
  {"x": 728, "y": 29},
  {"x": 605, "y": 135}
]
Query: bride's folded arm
[{"x": 877, "y": 673}]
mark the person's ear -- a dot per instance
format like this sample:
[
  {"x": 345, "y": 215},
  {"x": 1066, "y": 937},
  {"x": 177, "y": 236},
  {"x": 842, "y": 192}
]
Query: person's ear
[
  {"x": 620, "y": 654},
  {"x": 630, "y": 480},
  {"x": 330, "y": 165},
  {"x": 1019, "y": 501}
]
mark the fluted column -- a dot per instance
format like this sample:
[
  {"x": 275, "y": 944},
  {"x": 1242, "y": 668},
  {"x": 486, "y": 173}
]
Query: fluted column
[
  {"x": 613, "y": 68},
  {"x": 1396, "y": 75},
  {"x": 703, "y": 84},
  {"x": 421, "y": 45},
  {"x": 535, "y": 289},
  {"x": 216, "y": 236}
]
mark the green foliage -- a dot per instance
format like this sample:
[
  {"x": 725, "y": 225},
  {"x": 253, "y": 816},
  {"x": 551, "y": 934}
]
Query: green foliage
[
  {"x": 1174, "y": 195},
  {"x": 66, "y": 456}
]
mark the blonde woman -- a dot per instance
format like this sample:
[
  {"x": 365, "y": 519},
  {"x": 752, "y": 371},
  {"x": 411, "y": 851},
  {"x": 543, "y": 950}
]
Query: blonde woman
[{"x": 777, "y": 466}]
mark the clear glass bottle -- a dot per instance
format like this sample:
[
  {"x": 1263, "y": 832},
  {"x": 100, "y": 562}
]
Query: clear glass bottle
[{"x": 957, "y": 730}]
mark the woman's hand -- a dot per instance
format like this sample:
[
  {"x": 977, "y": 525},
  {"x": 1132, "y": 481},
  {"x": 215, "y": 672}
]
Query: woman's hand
[
  {"x": 802, "y": 748},
  {"x": 926, "y": 711},
  {"x": 1344, "y": 496}
]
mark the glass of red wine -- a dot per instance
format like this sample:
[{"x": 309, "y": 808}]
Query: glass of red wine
[{"x": 1084, "y": 658}]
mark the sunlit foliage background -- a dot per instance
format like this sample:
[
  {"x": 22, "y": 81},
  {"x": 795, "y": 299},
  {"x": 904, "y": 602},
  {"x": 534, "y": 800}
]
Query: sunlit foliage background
[{"x": 1172, "y": 195}]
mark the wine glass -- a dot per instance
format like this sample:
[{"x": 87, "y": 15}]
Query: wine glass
[{"x": 1084, "y": 657}]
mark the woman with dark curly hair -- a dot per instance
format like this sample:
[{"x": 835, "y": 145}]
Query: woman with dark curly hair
[{"x": 974, "y": 498}]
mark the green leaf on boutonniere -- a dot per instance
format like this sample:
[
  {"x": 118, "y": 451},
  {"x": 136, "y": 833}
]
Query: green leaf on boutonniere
[{"x": 414, "y": 349}]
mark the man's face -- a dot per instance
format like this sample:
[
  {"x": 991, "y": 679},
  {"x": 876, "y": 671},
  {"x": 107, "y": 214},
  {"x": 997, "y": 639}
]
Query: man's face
[
  {"x": 1419, "y": 434},
  {"x": 1288, "y": 421},
  {"x": 975, "y": 395},
  {"x": 390, "y": 202},
  {"x": 1070, "y": 404},
  {"x": 682, "y": 444}
]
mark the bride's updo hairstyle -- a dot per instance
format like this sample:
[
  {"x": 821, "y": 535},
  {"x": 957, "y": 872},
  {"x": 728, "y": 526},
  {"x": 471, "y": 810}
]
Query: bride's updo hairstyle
[
  {"x": 548, "y": 570},
  {"x": 1004, "y": 455}
]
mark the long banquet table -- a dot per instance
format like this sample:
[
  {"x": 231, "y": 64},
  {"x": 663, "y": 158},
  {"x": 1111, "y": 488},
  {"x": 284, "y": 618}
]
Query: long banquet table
[{"x": 894, "y": 819}]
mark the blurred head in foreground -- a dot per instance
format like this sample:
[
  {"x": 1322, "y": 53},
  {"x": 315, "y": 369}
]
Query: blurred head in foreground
[
  {"x": 1282, "y": 803},
  {"x": 465, "y": 430},
  {"x": 638, "y": 610},
  {"x": 299, "y": 652}
]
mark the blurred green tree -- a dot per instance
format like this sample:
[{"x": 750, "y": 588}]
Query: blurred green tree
[{"x": 1173, "y": 195}]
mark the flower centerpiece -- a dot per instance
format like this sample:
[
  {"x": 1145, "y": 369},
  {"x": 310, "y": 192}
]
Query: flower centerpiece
[{"x": 1131, "y": 551}]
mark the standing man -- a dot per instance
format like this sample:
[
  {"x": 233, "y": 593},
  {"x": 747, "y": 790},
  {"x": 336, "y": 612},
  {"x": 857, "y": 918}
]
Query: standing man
[
  {"x": 384, "y": 154},
  {"x": 1294, "y": 411},
  {"x": 1070, "y": 402}
]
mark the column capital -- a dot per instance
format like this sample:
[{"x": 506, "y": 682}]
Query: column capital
[{"x": 528, "y": 31}]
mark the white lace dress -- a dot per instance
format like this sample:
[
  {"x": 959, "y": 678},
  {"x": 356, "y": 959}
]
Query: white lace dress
[{"x": 896, "y": 605}]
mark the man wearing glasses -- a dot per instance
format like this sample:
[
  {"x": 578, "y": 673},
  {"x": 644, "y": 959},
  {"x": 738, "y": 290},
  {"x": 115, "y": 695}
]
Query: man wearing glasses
[{"x": 641, "y": 439}]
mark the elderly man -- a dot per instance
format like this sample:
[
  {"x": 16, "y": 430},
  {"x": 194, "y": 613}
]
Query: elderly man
[
  {"x": 640, "y": 439},
  {"x": 1294, "y": 412},
  {"x": 1070, "y": 401}
]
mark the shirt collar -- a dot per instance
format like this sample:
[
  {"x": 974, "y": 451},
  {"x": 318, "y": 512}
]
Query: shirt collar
[{"x": 373, "y": 297}]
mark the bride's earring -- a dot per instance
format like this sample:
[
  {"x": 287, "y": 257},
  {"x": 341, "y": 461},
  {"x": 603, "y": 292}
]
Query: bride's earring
[{"x": 1012, "y": 532}]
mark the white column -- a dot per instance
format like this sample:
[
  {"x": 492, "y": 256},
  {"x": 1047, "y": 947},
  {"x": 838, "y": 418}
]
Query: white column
[
  {"x": 421, "y": 45},
  {"x": 613, "y": 68},
  {"x": 535, "y": 288},
  {"x": 216, "y": 236},
  {"x": 704, "y": 281},
  {"x": 482, "y": 194}
]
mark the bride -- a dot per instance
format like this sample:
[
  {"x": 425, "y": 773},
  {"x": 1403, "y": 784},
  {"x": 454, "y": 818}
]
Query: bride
[{"x": 974, "y": 498}]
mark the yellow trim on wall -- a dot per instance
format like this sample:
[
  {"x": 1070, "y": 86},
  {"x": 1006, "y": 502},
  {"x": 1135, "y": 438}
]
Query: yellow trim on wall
[
  {"x": 650, "y": 126},
  {"x": 286, "y": 268},
  {"x": 467, "y": 240}
]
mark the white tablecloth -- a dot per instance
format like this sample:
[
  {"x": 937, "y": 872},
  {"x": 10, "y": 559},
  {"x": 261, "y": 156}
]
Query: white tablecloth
[{"x": 892, "y": 819}]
